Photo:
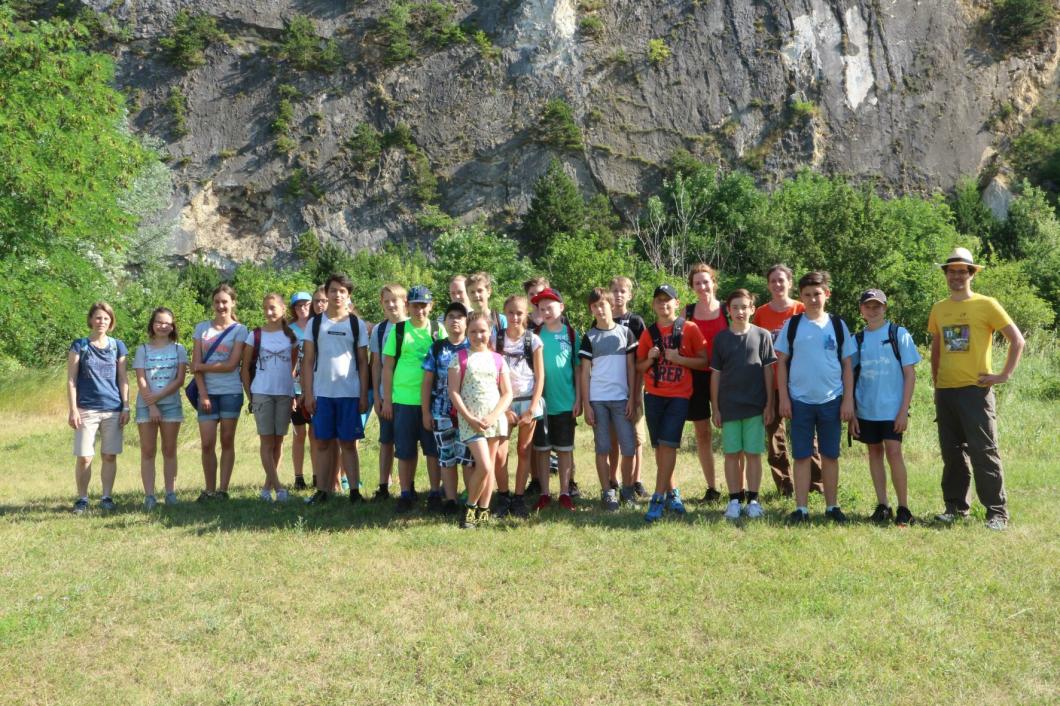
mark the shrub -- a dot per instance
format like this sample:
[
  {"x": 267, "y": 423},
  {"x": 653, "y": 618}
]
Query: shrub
[
  {"x": 1019, "y": 24},
  {"x": 658, "y": 52},
  {"x": 473, "y": 249},
  {"x": 557, "y": 127},
  {"x": 804, "y": 109},
  {"x": 177, "y": 104},
  {"x": 400, "y": 137},
  {"x": 1009, "y": 283},
  {"x": 1035, "y": 155},
  {"x": 486, "y": 48},
  {"x": 192, "y": 34},
  {"x": 365, "y": 145},
  {"x": 393, "y": 27},
  {"x": 425, "y": 183},
  {"x": 591, "y": 26},
  {"x": 434, "y": 24},
  {"x": 281, "y": 125},
  {"x": 305, "y": 51}
]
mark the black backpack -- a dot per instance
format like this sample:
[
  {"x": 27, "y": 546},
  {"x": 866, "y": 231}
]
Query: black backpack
[
  {"x": 399, "y": 337},
  {"x": 657, "y": 341},
  {"x": 837, "y": 327},
  {"x": 528, "y": 343},
  {"x": 892, "y": 338},
  {"x": 355, "y": 329},
  {"x": 690, "y": 309}
]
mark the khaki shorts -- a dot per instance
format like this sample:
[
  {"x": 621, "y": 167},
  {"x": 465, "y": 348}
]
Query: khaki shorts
[
  {"x": 640, "y": 427},
  {"x": 272, "y": 414},
  {"x": 107, "y": 424}
]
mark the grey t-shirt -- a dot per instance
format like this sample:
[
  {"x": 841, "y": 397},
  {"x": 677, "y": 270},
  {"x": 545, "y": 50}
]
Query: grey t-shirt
[
  {"x": 221, "y": 383},
  {"x": 741, "y": 359},
  {"x": 609, "y": 350}
]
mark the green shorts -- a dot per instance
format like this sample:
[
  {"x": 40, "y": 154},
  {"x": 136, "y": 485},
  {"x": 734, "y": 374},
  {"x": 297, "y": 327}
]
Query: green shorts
[{"x": 746, "y": 435}]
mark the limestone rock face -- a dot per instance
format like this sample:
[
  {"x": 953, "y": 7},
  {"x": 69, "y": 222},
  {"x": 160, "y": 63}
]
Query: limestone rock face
[{"x": 899, "y": 91}]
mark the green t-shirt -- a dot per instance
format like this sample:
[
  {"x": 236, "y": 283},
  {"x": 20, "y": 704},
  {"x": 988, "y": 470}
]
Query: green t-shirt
[
  {"x": 408, "y": 373},
  {"x": 560, "y": 359}
]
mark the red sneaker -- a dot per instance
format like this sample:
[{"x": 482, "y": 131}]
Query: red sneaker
[
  {"x": 543, "y": 502},
  {"x": 565, "y": 502}
]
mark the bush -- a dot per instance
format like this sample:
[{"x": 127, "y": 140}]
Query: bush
[
  {"x": 1008, "y": 282},
  {"x": 393, "y": 29},
  {"x": 364, "y": 146},
  {"x": 474, "y": 249},
  {"x": 281, "y": 125},
  {"x": 804, "y": 109},
  {"x": 486, "y": 48},
  {"x": 658, "y": 52},
  {"x": 177, "y": 103},
  {"x": 557, "y": 127},
  {"x": 591, "y": 26},
  {"x": 1035, "y": 155},
  {"x": 305, "y": 51},
  {"x": 1019, "y": 24},
  {"x": 192, "y": 34}
]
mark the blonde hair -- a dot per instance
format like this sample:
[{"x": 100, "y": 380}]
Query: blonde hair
[
  {"x": 516, "y": 298},
  {"x": 283, "y": 321},
  {"x": 621, "y": 279},
  {"x": 481, "y": 278}
]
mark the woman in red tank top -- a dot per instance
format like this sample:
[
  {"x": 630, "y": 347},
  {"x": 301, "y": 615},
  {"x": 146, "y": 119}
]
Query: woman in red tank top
[{"x": 709, "y": 316}]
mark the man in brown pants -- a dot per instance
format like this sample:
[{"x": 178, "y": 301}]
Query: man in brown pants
[{"x": 962, "y": 328}]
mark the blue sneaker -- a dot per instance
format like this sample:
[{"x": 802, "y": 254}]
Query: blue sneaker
[
  {"x": 673, "y": 502},
  {"x": 655, "y": 508}
]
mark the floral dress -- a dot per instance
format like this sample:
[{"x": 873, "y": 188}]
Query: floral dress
[{"x": 480, "y": 391}]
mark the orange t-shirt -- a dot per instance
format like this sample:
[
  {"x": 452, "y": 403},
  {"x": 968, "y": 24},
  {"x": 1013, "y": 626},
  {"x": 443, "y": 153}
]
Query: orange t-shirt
[
  {"x": 674, "y": 380},
  {"x": 773, "y": 321}
]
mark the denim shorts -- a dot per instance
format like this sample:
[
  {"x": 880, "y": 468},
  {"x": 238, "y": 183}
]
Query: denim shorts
[
  {"x": 666, "y": 419},
  {"x": 172, "y": 409},
  {"x": 338, "y": 418},
  {"x": 222, "y": 407},
  {"x": 409, "y": 431},
  {"x": 611, "y": 418},
  {"x": 822, "y": 418}
]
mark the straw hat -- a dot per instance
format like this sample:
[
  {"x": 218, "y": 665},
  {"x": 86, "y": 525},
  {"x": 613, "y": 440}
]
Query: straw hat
[{"x": 960, "y": 256}]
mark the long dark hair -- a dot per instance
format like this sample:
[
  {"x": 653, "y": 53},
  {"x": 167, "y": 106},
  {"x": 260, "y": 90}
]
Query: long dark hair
[{"x": 151, "y": 322}]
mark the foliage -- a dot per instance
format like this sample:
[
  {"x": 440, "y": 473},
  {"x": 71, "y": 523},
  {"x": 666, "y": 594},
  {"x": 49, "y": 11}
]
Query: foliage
[
  {"x": 658, "y": 52},
  {"x": 404, "y": 26},
  {"x": 1010, "y": 284},
  {"x": 305, "y": 51},
  {"x": 804, "y": 109},
  {"x": 364, "y": 146},
  {"x": 434, "y": 24},
  {"x": 556, "y": 126},
  {"x": 157, "y": 285},
  {"x": 591, "y": 26},
  {"x": 1019, "y": 24},
  {"x": 308, "y": 250},
  {"x": 575, "y": 263},
  {"x": 1032, "y": 235},
  {"x": 281, "y": 124},
  {"x": 177, "y": 103},
  {"x": 556, "y": 207},
  {"x": 970, "y": 214},
  {"x": 393, "y": 27},
  {"x": 1035, "y": 155},
  {"x": 474, "y": 249},
  {"x": 432, "y": 218},
  {"x": 192, "y": 34},
  {"x": 486, "y": 48}
]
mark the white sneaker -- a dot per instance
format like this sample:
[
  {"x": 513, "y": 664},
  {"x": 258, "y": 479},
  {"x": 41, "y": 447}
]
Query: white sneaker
[
  {"x": 732, "y": 510},
  {"x": 753, "y": 510},
  {"x": 266, "y": 496},
  {"x": 281, "y": 495}
]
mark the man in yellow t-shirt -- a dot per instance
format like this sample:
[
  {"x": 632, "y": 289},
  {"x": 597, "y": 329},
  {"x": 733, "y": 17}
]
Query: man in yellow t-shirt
[{"x": 962, "y": 330}]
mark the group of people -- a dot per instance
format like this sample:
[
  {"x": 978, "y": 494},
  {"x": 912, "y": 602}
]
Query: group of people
[{"x": 459, "y": 386}]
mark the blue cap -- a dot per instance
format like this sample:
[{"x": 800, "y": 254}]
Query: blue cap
[
  {"x": 301, "y": 297},
  {"x": 666, "y": 291},
  {"x": 420, "y": 295}
]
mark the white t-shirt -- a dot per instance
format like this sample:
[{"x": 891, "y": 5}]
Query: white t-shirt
[
  {"x": 272, "y": 372},
  {"x": 522, "y": 370},
  {"x": 336, "y": 372}
]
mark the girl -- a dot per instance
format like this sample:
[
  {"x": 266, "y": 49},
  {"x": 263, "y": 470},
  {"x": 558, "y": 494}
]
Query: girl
[
  {"x": 301, "y": 304},
  {"x": 481, "y": 391},
  {"x": 269, "y": 359},
  {"x": 161, "y": 365},
  {"x": 522, "y": 353},
  {"x": 707, "y": 314},
  {"x": 214, "y": 361},
  {"x": 97, "y": 388}
]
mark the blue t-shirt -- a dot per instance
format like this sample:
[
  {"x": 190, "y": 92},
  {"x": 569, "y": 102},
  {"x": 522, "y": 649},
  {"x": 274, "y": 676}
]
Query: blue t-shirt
[
  {"x": 437, "y": 361},
  {"x": 879, "y": 390},
  {"x": 815, "y": 376},
  {"x": 97, "y": 374},
  {"x": 560, "y": 360}
]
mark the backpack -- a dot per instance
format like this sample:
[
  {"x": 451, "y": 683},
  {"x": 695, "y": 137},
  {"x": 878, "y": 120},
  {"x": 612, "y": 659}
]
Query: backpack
[
  {"x": 837, "y": 328},
  {"x": 690, "y": 309},
  {"x": 528, "y": 343},
  {"x": 657, "y": 341},
  {"x": 355, "y": 329},
  {"x": 399, "y": 337},
  {"x": 892, "y": 338}
]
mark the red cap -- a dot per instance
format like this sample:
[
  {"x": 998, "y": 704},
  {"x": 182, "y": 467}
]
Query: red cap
[{"x": 547, "y": 293}]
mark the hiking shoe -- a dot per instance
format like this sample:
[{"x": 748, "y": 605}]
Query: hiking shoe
[
  {"x": 655, "y": 508},
  {"x": 948, "y": 518},
  {"x": 565, "y": 502},
  {"x": 282, "y": 495},
  {"x": 674, "y": 502},
  {"x": 710, "y": 497},
  {"x": 405, "y": 504},
  {"x": 107, "y": 503},
  {"x": 502, "y": 505},
  {"x": 836, "y": 515},
  {"x": 732, "y": 510},
  {"x": 997, "y": 523},
  {"x": 171, "y": 499},
  {"x": 533, "y": 487},
  {"x": 204, "y": 497},
  {"x": 628, "y": 496},
  {"x": 754, "y": 510},
  {"x": 381, "y": 494},
  {"x": 355, "y": 496},
  {"x": 518, "y": 507},
  {"x": 80, "y": 506},
  {"x": 318, "y": 498},
  {"x": 575, "y": 491},
  {"x": 542, "y": 502},
  {"x": 903, "y": 518},
  {"x": 266, "y": 495},
  {"x": 299, "y": 483},
  {"x": 468, "y": 519},
  {"x": 798, "y": 517},
  {"x": 150, "y": 503},
  {"x": 609, "y": 499},
  {"x": 482, "y": 516},
  {"x": 640, "y": 490},
  {"x": 434, "y": 503},
  {"x": 882, "y": 514}
]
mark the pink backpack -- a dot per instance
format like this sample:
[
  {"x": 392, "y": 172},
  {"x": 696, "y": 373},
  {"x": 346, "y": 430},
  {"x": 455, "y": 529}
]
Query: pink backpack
[{"x": 462, "y": 356}]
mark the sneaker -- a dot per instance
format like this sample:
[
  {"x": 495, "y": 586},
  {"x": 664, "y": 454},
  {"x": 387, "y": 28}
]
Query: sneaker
[
  {"x": 221, "y": 495},
  {"x": 468, "y": 519},
  {"x": 150, "y": 503},
  {"x": 518, "y": 507},
  {"x": 434, "y": 503},
  {"x": 80, "y": 506},
  {"x": 836, "y": 515},
  {"x": 318, "y": 498},
  {"x": 482, "y": 516},
  {"x": 732, "y": 510},
  {"x": 882, "y": 514},
  {"x": 107, "y": 503},
  {"x": 575, "y": 491},
  {"x": 266, "y": 495},
  {"x": 609, "y": 499},
  {"x": 997, "y": 523},
  {"x": 449, "y": 507},
  {"x": 798, "y": 517},
  {"x": 502, "y": 505},
  {"x": 948, "y": 518},
  {"x": 542, "y": 502},
  {"x": 405, "y": 504},
  {"x": 640, "y": 490},
  {"x": 355, "y": 496},
  {"x": 655, "y": 508},
  {"x": 383, "y": 493},
  {"x": 345, "y": 483},
  {"x": 204, "y": 497},
  {"x": 614, "y": 485},
  {"x": 171, "y": 499},
  {"x": 710, "y": 497},
  {"x": 533, "y": 488},
  {"x": 754, "y": 510},
  {"x": 903, "y": 518},
  {"x": 299, "y": 483},
  {"x": 282, "y": 495},
  {"x": 674, "y": 502},
  {"x": 628, "y": 496},
  {"x": 565, "y": 502}
]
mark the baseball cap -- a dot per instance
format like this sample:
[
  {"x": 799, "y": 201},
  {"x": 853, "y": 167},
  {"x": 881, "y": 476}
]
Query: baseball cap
[
  {"x": 456, "y": 306},
  {"x": 420, "y": 295},
  {"x": 301, "y": 297},
  {"x": 547, "y": 293},
  {"x": 665, "y": 289},
  {"x": 873, "y": 295}
]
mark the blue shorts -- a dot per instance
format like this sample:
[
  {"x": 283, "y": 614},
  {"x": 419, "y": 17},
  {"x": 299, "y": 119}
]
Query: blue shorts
[
  {"x": 171, "y": 407},
  {"x": 820, "y": 418},
  {"x": 386, "y": 430},
  {"x": 665, "y": 417},
  {"x": 409, "y": 431},
  {"x": 222, "y": 407},
  {"x": 338, "y": 418}
]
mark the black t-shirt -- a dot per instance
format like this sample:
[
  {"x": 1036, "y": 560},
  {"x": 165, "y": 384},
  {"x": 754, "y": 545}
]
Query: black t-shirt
[{"x": 633, "y": 322}]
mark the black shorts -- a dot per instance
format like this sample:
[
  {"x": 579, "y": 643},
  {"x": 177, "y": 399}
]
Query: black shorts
[
  {"x": 876, "y": 432},
  {"x": 297, "y": 418},
  {"x": 556, "y": 433},
  {"x": 699, "y": 402}
]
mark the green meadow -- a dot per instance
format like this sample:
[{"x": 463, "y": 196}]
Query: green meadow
[{"x": 241, "y": 602}]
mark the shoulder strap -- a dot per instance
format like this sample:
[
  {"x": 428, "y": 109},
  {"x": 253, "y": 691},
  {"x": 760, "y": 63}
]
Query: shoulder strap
[
  {"x": 257, "y": 346},
  {"x": 840, "y": 338},
  {"x": 657, "y": 342},
  {"x": 690, "y": 310},
  {"x": 217, "y": 342},
  {"x": 675, "y": 335},
  {"x": 892, "y": 337},
  {"x": 380, "y": 337},
  {"x": 355, "y": 332},
  {"x": 461, "y": 357},
  {"x": 793, "y": 325},
  {"x": 502, "y": 331},
  {"x": 528, "y": 347},
  {"x": 316, "y": 342},
  {"x": 399, "y": 339}
]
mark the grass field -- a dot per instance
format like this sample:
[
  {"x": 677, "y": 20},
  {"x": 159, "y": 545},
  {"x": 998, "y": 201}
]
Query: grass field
[{"x": 244, "y": 603}]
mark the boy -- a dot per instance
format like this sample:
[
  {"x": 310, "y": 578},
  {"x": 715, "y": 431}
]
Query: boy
[
  {"x": 883, "y": 387},
  {"x": 607, "y": 381},
  {"x": 437, "y": 410},
  {"x": 334, "y": 386},
  {"x": 532, "y": 287},
  {"x": 815, "y": 381},
  {"x": 479, "y": 290},
  {"x": 668, "y": 350},
  {"x": 741, "y": 395},
  {"x": 622, "y": 291},
  {"x": 394, "y": 300},
  {"x": 562, "y": 399},
  {"x": 406, "y": 346}
]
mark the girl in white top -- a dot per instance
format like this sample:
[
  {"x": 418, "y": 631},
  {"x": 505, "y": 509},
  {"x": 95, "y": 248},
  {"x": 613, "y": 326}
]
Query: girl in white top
[
  {"x": 270, "y": 356},
  {"x": 161, "y": 365},
  {"x": 481, "y": 391}
]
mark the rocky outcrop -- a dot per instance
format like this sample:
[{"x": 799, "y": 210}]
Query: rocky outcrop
[{"x": 895, "y": 90}]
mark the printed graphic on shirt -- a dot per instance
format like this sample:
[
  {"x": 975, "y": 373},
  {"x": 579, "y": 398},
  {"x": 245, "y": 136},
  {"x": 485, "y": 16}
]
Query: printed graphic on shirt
[{"x": 956, "y": 338}]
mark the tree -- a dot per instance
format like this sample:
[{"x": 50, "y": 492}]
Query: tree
[{"x": 556, "y": 207}]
